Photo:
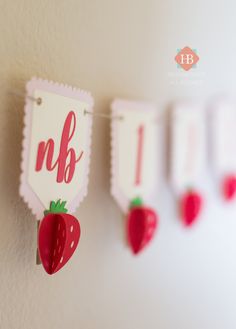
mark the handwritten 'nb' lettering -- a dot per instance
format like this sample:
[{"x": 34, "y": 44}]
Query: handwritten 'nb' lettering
[{"x": 67, "y": 158}]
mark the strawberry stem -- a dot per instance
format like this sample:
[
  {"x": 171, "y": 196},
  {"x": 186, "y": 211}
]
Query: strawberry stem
[
  {"x": 56, "y": 207},
  {"x": 136, "y": 202}
]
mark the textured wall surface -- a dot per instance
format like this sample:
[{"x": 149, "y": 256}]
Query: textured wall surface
[{"x": 123, "y": 48}]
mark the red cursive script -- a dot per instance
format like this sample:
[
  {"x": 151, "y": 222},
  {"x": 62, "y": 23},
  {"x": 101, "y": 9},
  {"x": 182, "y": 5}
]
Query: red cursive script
[{"x": 67, "y": 159}]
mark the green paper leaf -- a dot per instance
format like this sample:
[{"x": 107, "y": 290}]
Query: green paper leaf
[
  {"x": 63, "y": 204},
  {"x": 56, "y": 207},
  {"x": 136, "y": 202},
  {"x": 52, "y": 205}
]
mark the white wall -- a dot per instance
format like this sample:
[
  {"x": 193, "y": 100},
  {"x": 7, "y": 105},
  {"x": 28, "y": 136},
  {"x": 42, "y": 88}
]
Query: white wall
[{"x": 126, "y": 48}]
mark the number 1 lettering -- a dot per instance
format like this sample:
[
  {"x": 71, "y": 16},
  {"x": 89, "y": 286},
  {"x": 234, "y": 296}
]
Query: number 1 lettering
[{"x": 139, "y": 155}]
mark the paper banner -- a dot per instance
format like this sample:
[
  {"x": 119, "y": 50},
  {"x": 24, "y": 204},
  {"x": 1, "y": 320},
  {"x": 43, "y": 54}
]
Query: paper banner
[
  {"x": 134, "y": 152},
  {"x": 187, "y": 143},
  {"x": 223, "y": 115},
  {"x": 56, "y": 145}
]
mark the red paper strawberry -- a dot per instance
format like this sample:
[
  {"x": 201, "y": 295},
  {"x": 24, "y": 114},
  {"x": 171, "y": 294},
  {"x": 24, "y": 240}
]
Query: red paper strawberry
[
  {"x": 58, "y": 237},
  {"x": 141, "y": 225},
  {"x": 191, "y": 205},
  {"x": 229, "y": 187}
]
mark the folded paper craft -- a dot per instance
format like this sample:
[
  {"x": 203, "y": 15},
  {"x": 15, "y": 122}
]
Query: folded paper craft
[
  {"x": 190, "y": 206},
  {"x": 142, "y": 223},
  {"x": 58, "y": 237},
  {"x": 56, "y": 155}
]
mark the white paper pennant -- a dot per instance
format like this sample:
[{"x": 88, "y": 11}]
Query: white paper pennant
[
  {"x": 187, "y": 145},
  {"x": 56, "y": 145},
  {"x": 134, "y": 152}
]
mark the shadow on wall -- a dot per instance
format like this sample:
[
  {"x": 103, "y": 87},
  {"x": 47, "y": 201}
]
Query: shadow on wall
[{"x": 17, "y": 232}]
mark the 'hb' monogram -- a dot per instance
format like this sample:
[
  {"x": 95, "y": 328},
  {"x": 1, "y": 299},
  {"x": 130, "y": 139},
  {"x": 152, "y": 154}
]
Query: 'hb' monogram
[{"x": 186, "y": 58}]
